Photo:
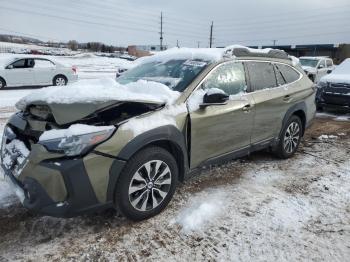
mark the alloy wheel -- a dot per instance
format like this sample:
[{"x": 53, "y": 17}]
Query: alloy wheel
[
  {"x": 60, "y": 81},
  {"x": 150, "y": 185},
  {"x": 291, "y": 137}
]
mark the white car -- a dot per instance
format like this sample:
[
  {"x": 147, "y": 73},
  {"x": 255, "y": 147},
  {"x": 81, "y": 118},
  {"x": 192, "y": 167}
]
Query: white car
[
  {"x": 316, "y": 67},
  {"x": 34, "y": 71}
]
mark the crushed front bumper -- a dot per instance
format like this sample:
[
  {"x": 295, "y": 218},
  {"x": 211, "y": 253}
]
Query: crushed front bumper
[{"x": 52, "y": 184}]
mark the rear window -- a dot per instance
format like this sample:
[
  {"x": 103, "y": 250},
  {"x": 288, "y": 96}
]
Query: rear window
[
  {"x": 289, "y": 74},
  {"x": 262, "y": 75}
]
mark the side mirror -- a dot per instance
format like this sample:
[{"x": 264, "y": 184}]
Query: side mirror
[
  {"x": 214, "y": 98},
  {"x": 329, "y": 71},
  {"x": 320, "y": 66},
  {"x": 9, "y": 67}
]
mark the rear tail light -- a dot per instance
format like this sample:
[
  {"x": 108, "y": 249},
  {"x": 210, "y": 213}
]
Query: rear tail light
[{"x": 74, "y": 69}]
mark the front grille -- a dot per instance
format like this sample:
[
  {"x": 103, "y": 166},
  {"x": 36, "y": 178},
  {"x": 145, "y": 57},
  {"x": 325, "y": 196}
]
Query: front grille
[{"x": 339, "y": 85}]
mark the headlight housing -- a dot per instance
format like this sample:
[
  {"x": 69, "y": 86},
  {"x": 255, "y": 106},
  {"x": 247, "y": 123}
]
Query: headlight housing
[
  {"x": 322, "y": 84},
  {"x": 73, "y": 143}
]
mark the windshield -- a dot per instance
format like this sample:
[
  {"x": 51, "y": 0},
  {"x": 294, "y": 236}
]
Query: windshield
[
  {"x": 308, "y": 62},
  {"x": 176, "y": 74}
]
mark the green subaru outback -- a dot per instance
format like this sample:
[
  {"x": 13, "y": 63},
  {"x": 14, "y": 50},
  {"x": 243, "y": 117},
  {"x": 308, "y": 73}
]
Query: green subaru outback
[{"x": 126, "y": 144}]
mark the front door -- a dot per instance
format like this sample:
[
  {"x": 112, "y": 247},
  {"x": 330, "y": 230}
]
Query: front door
[
  {"x": 217, "y": 130},
  {"x": 20, "y": 73}
]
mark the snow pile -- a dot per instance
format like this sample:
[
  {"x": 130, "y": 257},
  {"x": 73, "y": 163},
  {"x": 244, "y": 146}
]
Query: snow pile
[
  {"x": 73, "y": 130},
  {"x": 326, "y": 137},
  {"x": 201, "y": 212},
  {"x": 230, "y": 48},
  {"x": 204, "y": 54},
  {"x": 15, "y": 150},
  {"x": 101, "y": 90},
  {"x": 341, "y": 74},
  {"x": 166, "y": 116},
  {"x": 7, "y": 196}
]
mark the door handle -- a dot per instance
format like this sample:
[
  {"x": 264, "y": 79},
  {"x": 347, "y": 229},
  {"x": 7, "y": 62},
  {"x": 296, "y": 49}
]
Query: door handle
[
  {"x": 247, "y": 108},
  {"x": 287, "y": 98}
]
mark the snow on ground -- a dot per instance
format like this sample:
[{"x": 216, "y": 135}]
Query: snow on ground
[
  {"x": 335, "y": 116},
  {"x": 258, "y": 208}
]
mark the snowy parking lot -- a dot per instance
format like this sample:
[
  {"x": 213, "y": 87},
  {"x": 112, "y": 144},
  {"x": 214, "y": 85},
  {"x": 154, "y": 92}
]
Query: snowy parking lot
[{"x": 257, "y": 208}]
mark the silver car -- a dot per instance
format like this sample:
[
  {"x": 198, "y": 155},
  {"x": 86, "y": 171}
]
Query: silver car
[
  {"x": 34, "y": 71},
  {"x": 316, "y": 67}
]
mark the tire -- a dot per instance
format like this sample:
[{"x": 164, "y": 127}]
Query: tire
[
  {"x": 60, "y": 80},
  {"x": 2, "y": 83},
  {"x": 137, "y": 197},
  {"x": 288, "y": 145}
]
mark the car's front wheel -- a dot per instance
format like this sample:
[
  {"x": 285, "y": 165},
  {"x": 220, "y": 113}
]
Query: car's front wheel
[
  {"x": 147, "y": 184},
  {"x": 290, "y": 138},
  {"x": 60, "y": 81}
]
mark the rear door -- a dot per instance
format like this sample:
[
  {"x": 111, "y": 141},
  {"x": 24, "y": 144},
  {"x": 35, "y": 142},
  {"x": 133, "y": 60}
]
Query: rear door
[
  {"x": 270, "y": 97},
  {"x": 217, "y": 130},
  {"x": 20, "y": 73},
  {"x": 44, "y": 71}
]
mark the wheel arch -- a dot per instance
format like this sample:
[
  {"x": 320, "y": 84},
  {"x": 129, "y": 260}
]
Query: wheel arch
[
  {"x": 166, "y": 137},
  {"x": 299, "y": 110}
]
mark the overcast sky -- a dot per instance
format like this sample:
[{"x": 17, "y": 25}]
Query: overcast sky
[{"x": 248, "y": 22}]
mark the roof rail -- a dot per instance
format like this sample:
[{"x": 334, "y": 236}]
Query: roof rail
[{"x": 244, "y": 51}]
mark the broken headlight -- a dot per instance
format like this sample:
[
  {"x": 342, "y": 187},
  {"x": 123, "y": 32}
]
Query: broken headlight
[{"x": 74, "y": 145}]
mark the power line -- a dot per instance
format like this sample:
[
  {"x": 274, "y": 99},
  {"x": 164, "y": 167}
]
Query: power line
[
  {"x": 288, "y": 14},
  {"x": 286, "y": 37}
]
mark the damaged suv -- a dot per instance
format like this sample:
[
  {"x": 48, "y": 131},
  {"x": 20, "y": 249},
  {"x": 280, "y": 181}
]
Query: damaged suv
[{"x": 103, "y": 144}]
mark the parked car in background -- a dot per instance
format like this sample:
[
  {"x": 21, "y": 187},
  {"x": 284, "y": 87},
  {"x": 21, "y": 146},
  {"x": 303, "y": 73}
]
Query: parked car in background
[
  {"x": 316, "y": 67},
  {"x": 334, "y": 89},
  {"x": 127, "y": 144},
  {"x": 34, "y": 71}
]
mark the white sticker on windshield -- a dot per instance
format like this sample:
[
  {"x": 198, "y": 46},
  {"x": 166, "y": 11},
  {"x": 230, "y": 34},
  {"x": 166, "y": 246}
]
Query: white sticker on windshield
[{"x": 195, "y": 63}]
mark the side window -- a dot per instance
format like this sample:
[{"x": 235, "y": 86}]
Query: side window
[
  {"x": 279, "y": 77},
  {"x": 322, "y": 64},
  {"x": 329, "y": 63},
  {"x": 42, "y": 63},
  {"x": 30, "y": 63},
  {"x": 262, "y": 75},
  {"x": 289, "y": 74},
  {"x": 19, "y": 64},
  {"x": 229, "y": 77}
]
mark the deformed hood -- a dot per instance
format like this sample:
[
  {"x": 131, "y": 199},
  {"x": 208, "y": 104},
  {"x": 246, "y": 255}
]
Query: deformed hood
[{"x": 73, "y": 102}]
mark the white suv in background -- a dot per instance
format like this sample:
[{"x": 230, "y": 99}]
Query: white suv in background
[
  {"x": 34, "y": 71},
  {"x": 316, "y": 67}
]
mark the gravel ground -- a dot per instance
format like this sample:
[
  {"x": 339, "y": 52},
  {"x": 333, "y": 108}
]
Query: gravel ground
[{"x": 257, "y": 208}]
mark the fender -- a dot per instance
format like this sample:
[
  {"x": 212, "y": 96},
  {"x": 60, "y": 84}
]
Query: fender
[
  {"x": 167, "y": 133},
  {"x": 301, "y": 106}
]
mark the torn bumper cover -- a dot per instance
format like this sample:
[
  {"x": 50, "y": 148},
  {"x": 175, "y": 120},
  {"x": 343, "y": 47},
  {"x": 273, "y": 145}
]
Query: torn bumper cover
[{"x": 57, "y": 187}]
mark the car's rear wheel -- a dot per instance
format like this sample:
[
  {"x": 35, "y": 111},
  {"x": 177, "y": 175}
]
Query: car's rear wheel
[
  {"x": 60, "y": 80},
  {"x": 2, "y": 83},
  {"x": 290, "y": 138},
  {"x": 147, "y": 184}
]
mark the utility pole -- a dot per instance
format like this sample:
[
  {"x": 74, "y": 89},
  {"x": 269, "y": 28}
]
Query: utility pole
[
  {"x": 211, "y": 34},
  {"x": 161, "y": 31},
  {"x": 274, "y": 42},
  {"x": 177, "y": 44},
  {"x": 198, "y": 44}
]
